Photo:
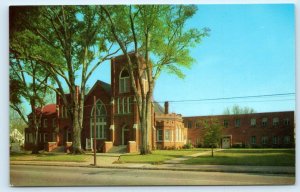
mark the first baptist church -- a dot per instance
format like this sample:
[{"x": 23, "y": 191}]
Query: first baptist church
[{"x": 117, "y": 122}]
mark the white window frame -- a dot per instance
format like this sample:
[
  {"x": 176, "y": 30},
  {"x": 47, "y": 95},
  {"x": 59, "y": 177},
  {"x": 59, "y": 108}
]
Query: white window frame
[
  {"x": 100, "y": 121},
  {"x": 237, "y": 122},
  {"x": 159, "y": 134},
  {"x": 168, "y": 135},
  {"x": 264, "y": 121},
  {"x": 286, "y": 121},
  {"x": 253, "y": 140},
  {"x": 264, "y": 140},
  {"x": 253, "y": 122},
  {"x": 275, "y": 121},
  {"x": 287, "y": 139},
  {"x": 128, "y": 105},
  {"x": 275, "y": 140},
  {"x": 123, "y": 105},
  {"x": 124, "y": 82}
]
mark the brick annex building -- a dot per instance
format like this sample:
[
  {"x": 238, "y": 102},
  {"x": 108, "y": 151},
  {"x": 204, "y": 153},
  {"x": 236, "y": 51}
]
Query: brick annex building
[
  {"x": 273, "y": 129},
  {"x": 117, "y": 122}
]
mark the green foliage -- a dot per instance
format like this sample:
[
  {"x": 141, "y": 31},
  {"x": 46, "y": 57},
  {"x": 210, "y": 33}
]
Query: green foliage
[
  {"x": 212, "y": 133},
  {"x": 236, "y": 109}
]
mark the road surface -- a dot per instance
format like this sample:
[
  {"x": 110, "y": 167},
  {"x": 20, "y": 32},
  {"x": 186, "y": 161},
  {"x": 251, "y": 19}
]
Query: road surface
[{"x": 27, "y": 175}]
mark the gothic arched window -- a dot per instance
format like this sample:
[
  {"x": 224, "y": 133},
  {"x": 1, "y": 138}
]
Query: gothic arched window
[
  {"x": 124, "y": 85},
  {"x": 100, "y": 120}
]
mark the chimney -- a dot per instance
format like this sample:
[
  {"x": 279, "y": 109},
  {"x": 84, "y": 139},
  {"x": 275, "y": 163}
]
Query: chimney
[{"x": 166, "y": 107}]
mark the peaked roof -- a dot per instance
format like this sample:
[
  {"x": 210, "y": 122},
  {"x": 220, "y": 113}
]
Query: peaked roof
[
  {"x": 47, "y": 109},
  {"x": 106, "y": 87},
  {"x": 158, "y": 109}
]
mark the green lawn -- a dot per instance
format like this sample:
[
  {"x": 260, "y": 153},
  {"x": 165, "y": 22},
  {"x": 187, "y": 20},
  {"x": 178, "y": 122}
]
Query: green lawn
[
  {"x": 157, "y": 156},
  {"x": 259, "y": 157},
  {"x": 49, "y": 157}
]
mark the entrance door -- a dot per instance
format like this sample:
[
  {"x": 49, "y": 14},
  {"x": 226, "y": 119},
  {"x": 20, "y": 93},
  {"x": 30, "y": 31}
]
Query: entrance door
[
  {"x": 225, "y": 142},
  {"x": 126, "y": 136}
]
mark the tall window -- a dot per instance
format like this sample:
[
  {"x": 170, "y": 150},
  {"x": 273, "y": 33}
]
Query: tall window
[
  {"x": 100, "y": 120},
  {"x": 45, "y": 123},
  {"x": 253, "y": 140},
  {"x": 286, "y": 121},
  {"x": 264, "y": 121},
  {"x": 54, "y": 123},
  {"x": 286, "y": 139},
  {"x": 253, "y": 122},
  {"x": 237, "y": 123},
  {"x": 159, "y": 135},
  {"x": 275, "y": 121},
  {"x": 124, "y": 81},
  {"x": 189, "y": 124},
  {"x": 167, "y": 135},
  {"x": 264, "y": 140},
  {"x": 225, "y": 123}
]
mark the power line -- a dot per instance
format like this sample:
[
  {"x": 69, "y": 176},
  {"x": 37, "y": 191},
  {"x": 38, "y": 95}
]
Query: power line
[{"x": 229, "y": 98}]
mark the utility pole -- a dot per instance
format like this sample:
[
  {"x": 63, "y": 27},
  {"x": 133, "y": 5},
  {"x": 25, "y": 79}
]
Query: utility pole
[{"x": 95, "y": 146}]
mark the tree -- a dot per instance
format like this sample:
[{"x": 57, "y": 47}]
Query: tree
[
  {"x": 212, "y": 134},
  {"x": 238, "y": 110},
  {"x": 72, "y": 43},
  {"x": 24, "y": 86},
  {"x": 158, "y": 34}
]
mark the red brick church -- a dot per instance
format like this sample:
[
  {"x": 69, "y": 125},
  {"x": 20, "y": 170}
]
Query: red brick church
[{"x": 116, "y": 122}]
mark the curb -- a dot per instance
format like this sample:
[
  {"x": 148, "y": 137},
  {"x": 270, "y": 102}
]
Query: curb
[{"x": 161, "y": 168}]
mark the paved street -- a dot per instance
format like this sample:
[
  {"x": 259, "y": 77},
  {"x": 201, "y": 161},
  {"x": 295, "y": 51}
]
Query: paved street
[{"x": 27, "y": 175}]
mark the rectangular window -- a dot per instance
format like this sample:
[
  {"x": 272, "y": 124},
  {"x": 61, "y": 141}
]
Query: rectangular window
[
  {"x": 128, "y": 105},
  {"x": 264, "y": 122},
  {"x": 124, "y": 104},
  {"x": 189, "y": 124},
  {"x": 45, "y": 123},
  {"x": 167, "y": 135},
  {"x": 225, "y": 123},
  {"x": 286, "y": 139},
  {"x": 159, "y": 135},
  {"x": 264, "y": 140},
  {"x": 54, "y": 122},
  {"x": 286, "y": 121},
  {"x": 253, "y": 122},
  {"x": 253, "y": 140},
  {"x": 275, "y": 121},
  {"x": 275, "y": 140},
  {"x": 198, "y": 124},
  {"x": 237, "y": 123},
  {"x": 45, "y": 138},
  {"x": 100, "y": 128}
]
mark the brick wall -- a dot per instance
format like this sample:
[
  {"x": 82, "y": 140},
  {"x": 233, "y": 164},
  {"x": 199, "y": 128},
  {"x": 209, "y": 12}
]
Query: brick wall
[{"x": 244, "y": 133}]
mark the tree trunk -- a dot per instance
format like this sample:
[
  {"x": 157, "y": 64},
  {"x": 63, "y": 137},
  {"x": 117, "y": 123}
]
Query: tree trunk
[
  {"x": 212, "y": 151},
  {"x": 76, "y": 145}
]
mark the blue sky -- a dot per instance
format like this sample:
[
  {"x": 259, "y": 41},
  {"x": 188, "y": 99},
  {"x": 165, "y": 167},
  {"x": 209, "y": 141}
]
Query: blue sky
[{"x": 250, "y": 51}]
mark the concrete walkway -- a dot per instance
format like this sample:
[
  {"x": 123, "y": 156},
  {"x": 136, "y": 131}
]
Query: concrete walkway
[{"x": 106, "y": 160}]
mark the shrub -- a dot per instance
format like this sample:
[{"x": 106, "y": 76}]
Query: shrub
[{"x": 188, "y": 146}]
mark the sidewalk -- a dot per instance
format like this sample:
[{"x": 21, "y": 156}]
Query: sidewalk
[{"x": 106, "y": 160}]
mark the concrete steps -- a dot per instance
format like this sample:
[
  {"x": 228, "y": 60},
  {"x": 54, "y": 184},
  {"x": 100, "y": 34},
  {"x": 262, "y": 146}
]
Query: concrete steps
[{"x": 118, "y": 149}]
